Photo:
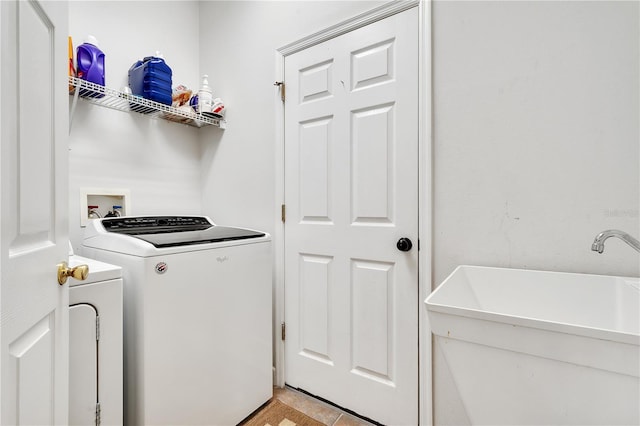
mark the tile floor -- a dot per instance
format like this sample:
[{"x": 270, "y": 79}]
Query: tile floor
[{"x": 321, "y": 411}]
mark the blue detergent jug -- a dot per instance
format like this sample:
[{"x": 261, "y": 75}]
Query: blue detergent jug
[
  {"x": 151, "y": 79},
  {"x": 90, "y": 65}
]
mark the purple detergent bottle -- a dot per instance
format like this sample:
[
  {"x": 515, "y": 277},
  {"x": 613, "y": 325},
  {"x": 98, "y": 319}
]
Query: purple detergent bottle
[{"x": 90, "y": 65}]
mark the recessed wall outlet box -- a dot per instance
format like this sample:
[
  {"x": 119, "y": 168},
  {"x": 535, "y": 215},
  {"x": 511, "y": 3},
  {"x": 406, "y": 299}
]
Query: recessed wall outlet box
[{"x": 101, "y": 201}]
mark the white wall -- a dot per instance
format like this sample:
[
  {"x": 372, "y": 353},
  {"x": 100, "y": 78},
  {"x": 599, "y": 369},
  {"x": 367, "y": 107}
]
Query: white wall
[
  {"x": 536, "y": 125},
  {"x": 238, "y": 45},
  {"x": 159, "y": 162},
  {"x": 536, "y": 141}
]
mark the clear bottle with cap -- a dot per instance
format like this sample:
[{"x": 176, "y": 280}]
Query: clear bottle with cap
[{"x": 205, "y": 96}]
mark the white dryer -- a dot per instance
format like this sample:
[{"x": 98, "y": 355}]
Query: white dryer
[
  {"x": 95, "y": 345},
  {"x": 197, "y": 309}
]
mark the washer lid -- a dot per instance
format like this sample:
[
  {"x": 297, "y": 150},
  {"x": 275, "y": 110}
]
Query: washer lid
[
  {"x": 213, "y": 234},
  {"x": 173, "y": 231}
]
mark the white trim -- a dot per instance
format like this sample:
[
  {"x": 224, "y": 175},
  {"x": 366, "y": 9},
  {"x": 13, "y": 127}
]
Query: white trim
[
  {"x": 359, "y": 21},
  {"x": 278, "y": 237},
  {"x": 425, "y": 214},
  {"x": 424, "y": 173}
]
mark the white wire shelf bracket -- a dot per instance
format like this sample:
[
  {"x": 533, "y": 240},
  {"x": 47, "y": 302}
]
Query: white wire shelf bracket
[{"x": 126, "y": 102}]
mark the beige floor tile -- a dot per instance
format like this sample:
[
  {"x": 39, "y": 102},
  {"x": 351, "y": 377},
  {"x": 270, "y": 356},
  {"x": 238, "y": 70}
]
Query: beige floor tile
[
  {"x": 311, "y": 407},
  {"x": 349, "y": 420}
]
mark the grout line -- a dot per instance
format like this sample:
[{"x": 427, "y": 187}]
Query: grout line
[{"x": 339, "y": 417}]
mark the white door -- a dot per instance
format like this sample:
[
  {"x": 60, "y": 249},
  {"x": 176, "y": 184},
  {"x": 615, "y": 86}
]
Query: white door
[
  {"x": 351, "y": 193},
  {"x": 33, "y": 212}
]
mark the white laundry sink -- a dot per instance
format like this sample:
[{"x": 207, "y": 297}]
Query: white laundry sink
[
  {"x": 592, "y": 305},
  {"x": 540, "y": 347}
]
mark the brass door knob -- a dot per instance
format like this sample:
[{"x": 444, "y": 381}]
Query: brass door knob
[{"x": 79, "y": 272}]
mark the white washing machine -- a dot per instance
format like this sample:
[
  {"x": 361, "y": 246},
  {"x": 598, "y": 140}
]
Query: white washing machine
[
  {"x": 197, "y": 310},
  {"x": 95, "y": 345}
]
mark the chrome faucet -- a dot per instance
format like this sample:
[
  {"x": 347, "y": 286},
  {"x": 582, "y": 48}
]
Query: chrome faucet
[{"x": 598, "y": 242}]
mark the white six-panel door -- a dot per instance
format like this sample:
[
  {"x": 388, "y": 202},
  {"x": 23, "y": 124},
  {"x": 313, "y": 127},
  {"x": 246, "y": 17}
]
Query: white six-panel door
[
  {"x": 351, "y": 192},
  {"x": 33, "y": 206}
]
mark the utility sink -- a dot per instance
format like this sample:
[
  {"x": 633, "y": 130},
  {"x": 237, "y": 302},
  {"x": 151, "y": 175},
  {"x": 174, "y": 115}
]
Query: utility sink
[
  {"x": 540, "y": 347},
  {"x": 591, "y": 305}
]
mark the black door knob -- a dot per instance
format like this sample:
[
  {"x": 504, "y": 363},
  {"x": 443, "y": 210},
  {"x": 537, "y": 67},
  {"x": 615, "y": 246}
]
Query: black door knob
[{"x": 404, "y": 244}]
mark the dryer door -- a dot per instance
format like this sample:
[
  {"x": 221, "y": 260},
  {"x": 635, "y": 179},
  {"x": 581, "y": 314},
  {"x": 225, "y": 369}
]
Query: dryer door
[{"x": 83, "y": 364}]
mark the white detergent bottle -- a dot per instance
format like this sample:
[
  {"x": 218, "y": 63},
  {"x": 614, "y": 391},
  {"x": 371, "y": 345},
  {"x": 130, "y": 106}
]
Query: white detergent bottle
[{"x": 205, "y": 96}]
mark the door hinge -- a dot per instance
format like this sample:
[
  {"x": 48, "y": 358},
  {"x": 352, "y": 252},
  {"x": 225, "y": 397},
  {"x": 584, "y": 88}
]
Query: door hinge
[
  {"x": 283, "y": 212},
  {"x": 97, "y": 328},
  {"x": 283, "y": 333},
  {"x": 280, "y": 84},
  {"x": 98, "y": 413}
]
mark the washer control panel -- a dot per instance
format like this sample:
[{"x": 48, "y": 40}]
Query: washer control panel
[{"x": 155, "y": 224}]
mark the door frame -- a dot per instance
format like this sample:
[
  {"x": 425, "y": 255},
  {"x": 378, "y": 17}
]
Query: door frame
[{"x": 425, "y": 192}]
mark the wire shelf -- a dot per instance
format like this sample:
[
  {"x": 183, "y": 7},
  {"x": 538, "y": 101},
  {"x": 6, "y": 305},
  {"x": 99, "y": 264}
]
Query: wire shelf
[{"x": 114, "y": 99}]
